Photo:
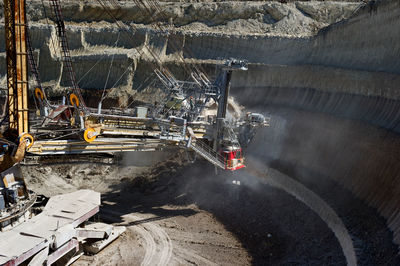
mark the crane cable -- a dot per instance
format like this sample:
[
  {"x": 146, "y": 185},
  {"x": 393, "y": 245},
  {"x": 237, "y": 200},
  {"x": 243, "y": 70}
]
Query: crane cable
[
  {"x": 157, "y": 6},
  {"x": 135, "y": 29},
  {"x": 109, "y": 70},
  {"x": 172, "y": 43}
]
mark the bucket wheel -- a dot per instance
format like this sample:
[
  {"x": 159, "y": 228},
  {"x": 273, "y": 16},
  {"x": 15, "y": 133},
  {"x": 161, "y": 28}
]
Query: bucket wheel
[
  {"x": 28, "y": 138},
  {"x": 89, "y": 134}
]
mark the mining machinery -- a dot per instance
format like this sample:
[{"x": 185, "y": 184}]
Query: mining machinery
[
  {"x": 192, "y": 114},
  {"x": 183, "y": 119},
  {"x": 15, "y": 199},
  {"x": 31, "y": 233}
]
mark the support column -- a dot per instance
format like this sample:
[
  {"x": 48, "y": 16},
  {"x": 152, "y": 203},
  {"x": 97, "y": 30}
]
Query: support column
[
  {"x": 222, "y": 107},
  {"x": 17, "y": 67}
]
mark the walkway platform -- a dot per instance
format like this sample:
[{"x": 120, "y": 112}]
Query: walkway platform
[{"x": 53, "y": 229}]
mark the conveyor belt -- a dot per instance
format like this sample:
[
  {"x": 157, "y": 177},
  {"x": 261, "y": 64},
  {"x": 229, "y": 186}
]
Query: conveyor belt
[{"x": 100, "y": 145}]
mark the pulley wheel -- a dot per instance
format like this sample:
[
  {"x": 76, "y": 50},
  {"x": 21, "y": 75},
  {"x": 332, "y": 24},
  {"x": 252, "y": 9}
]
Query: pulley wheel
[
  {"x": 39, "y": 94},
  {"x": 28, "y": 138},
  {"x": 89, "y": 135},
  {"x": 74, "y": 99}
]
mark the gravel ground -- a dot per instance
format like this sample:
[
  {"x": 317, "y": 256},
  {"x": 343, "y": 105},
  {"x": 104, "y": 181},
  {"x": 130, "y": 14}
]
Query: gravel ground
[
  {"x": 208, "y": 219},
  {"x": 178, "y": 213}
]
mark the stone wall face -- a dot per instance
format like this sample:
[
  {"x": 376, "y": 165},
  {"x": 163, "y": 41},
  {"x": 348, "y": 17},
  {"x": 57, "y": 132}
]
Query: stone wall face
[{"x": 94, "y": 36}]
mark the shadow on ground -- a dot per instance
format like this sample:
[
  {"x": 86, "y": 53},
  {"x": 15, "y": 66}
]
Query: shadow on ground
[{"x": 271, "y": 225}]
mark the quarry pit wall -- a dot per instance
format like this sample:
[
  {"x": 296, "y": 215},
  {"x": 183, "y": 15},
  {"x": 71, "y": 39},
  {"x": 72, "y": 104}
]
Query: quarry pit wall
[{"x": 350, "y": 70}]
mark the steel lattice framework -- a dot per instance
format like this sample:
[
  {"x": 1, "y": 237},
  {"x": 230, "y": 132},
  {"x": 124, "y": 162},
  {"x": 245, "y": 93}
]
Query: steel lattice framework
[{"x": 17, "y": 67}]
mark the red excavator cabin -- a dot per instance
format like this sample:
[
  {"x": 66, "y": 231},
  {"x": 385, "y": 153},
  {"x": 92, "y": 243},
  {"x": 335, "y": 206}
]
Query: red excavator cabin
[{"x": 233, "y": 158}]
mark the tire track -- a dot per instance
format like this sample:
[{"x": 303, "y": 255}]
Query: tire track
[
  {"x": 190, "y": 255},
  {"x": 158, "y": 248},
  {"x": 163, "y": 246},
  {"x": 150, "y": 249},
  {"x": 314, "y": 202}
]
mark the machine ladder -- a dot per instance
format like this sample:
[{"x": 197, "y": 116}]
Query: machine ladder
[{"x": 208, "y": 153}]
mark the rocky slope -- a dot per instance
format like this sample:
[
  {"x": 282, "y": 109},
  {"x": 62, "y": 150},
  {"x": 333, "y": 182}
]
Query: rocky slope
[{"x": 196, "y": 31}]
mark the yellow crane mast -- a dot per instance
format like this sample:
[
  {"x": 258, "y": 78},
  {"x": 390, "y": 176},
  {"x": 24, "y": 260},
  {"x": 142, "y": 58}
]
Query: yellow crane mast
[{"x": 17, "y": 67}]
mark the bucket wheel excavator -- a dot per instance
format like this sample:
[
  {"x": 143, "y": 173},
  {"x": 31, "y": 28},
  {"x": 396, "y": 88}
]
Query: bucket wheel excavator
[{"x": 184, "y": 117}]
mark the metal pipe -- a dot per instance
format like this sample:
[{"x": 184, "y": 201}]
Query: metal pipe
[{"x": 99, "y": 109}]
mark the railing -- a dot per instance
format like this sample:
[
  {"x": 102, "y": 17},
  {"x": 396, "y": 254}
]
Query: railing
[{"x": 208, "y": 153}]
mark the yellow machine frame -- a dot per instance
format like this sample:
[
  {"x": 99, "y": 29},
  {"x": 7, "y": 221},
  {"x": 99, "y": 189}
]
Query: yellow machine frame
[{"x": 17, "y": 64}]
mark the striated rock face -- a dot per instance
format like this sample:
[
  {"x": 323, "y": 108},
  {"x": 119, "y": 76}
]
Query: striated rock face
[
  {"x": 346, "y": 82},
  {"x": 197, "y": 31}
]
